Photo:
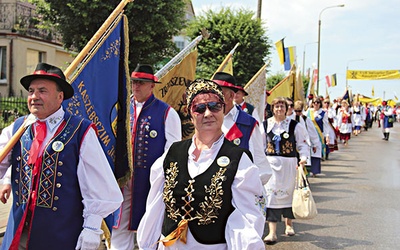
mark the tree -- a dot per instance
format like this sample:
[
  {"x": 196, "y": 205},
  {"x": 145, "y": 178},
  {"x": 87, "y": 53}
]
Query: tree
[
  {"x": 152, "y": 24},
  {"x": 227, "y": 28}
]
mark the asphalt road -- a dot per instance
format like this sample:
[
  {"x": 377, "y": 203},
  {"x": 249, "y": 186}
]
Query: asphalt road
[{"x": 358, "y": 198}]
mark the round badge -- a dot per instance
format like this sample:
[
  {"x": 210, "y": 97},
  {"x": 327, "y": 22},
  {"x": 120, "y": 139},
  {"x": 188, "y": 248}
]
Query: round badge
[
  {"x": 153, "y": 134},
  {"x": 236, "y": 141},
  {"x": 223, "y": 161},
  {"x": 57, "y": 146},
  {"x": 245, "y": 110},
  {"x": 285, "y": 135}
]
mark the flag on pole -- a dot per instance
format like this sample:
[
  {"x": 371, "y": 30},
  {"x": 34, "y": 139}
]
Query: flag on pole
[
  {"x": 290, "y": 57},
  {"x": 256, "y": 89},
  {"x": 333, "y": 80},
  {"x": 284, "y": 88},
  {"x": 101, "y": 95},
  {"x": 280, "y": 48},
  {"x": 328, "y": 80},
  {"x": 173, "y": 86},
  {"x": 227, "y": 64}
]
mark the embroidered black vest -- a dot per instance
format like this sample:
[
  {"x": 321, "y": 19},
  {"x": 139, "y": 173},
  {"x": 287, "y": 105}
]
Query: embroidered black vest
[
  {"x": 209, "y": 194},
  {"x": 282, "y": 145}
]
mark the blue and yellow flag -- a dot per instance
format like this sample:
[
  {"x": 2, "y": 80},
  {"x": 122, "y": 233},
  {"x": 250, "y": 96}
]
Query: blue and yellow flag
[
  {"x": 101, "y": 95},
  {"x": 333, "y": 80},
  {"x": 290, "y": 57}
]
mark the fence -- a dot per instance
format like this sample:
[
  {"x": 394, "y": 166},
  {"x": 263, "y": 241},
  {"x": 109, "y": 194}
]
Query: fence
[{"x": 10, "y": 109}]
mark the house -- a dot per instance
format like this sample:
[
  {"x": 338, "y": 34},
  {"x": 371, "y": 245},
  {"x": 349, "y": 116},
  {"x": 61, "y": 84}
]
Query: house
[{"x": 22, "y": 46}]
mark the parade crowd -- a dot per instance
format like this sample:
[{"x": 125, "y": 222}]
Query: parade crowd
[{"x": 216, "y": 190}]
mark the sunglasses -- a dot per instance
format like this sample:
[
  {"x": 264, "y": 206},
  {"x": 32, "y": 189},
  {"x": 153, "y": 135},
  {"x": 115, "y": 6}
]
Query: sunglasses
[
  {"x": 212, "y": 106},
  {"x": 298, "y": 111},
  {"x": 317, "y": 103},
  {"x": 290, "y": 105}
]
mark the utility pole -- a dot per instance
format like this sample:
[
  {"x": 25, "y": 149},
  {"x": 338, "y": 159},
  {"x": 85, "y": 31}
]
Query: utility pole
[{"x": 259, "y": 9}]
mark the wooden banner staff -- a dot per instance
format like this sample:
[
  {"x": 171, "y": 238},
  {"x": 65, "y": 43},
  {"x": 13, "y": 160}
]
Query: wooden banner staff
[
  {"x": 96, "y": 37},
  {"x": 71, "y": 68},
  {"x": 10, "y": 144},
  {"x": 223, "y": 64}
]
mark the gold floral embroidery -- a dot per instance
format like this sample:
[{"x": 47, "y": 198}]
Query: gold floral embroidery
[
  {"x": 287, "y": 148},
  {"x": 209, "y": 207},
  {"x": 213, "y": 202},
  {"x": 270, "y": 148},
  {"x": 170, "y": 183}
]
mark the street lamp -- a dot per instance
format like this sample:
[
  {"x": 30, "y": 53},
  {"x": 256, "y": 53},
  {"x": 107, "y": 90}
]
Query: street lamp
[
  {"x": 347, "y": 68},
  {"x": 304, "y": 55},
  {"x": 319, "y": 40}
]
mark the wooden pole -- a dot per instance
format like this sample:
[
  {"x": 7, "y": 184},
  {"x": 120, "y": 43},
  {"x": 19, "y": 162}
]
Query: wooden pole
[
  {"x": 93, "y": 41},
  {"x": 11, "y": 143}
]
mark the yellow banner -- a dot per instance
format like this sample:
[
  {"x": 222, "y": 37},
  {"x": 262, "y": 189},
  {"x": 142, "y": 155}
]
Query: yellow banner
[
  {"x": 172, "y": 90},
  {"x": 373, "y": 74},
  {"x": 284, "y": 88}
]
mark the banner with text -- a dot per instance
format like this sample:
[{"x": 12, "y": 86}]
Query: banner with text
[{"x": 373, "y": 74}]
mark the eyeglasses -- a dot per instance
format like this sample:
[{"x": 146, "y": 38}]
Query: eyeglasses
[
  {"x": 297, "y": 111},
  {"x": 212, "y": 106}
]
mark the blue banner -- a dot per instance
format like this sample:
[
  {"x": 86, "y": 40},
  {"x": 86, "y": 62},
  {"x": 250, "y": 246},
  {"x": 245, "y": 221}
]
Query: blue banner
[{"x": 101, "y": 95}]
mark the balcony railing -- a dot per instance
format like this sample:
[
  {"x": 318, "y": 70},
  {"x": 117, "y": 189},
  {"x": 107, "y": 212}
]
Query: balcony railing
[{"x": 21, "y": 18}]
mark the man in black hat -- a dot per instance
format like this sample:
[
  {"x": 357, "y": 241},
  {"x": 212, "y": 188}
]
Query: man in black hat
[
  {"x": 155, "y": 126},
  {"x": 245, "y": 106},
  {"x": 62, "y": 182},
  {"x": 241, "y": 128}
]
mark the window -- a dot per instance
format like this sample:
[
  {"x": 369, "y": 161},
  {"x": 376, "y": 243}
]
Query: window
[
  {"x": 33, "y": 57},
  {"x": 180, "y": 45},
  {"x": 3, "y": 64}
]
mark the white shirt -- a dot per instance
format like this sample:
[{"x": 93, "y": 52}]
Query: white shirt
[
  {"x": 99, "y": 188},
  {"x": 255, "y": 144},
  {"x": 245, "y": 226}
]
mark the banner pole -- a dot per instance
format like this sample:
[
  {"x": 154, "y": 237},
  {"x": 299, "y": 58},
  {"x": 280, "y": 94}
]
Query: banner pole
[{"x": 93, "y": 41}]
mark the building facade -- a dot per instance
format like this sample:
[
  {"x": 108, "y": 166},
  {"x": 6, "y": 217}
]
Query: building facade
[{"x": 22, "y": 46}]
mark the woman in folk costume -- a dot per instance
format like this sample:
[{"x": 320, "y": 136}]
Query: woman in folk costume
[
  {"x": 283, "y": 138},
  {"x": 315, "y": 144},
  {"x": 205, "y": 191},
  {"x": 358, "y": 118},
  {"x": 320, "y": 120},
  {"x": 344, "y": 122},
  {"x": 333, "y": 144},
  {"x": 387, "y": 120}
]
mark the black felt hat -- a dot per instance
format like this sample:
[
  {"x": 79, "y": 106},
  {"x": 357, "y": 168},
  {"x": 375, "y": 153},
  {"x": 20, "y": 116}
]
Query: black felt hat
[
  {"x": 225, "y": 80},
  {"x": 144, "y": 73},
  {"x": 50, "y": 72}
]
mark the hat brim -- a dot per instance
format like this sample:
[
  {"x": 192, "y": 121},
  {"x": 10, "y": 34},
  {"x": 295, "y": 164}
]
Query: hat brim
[
  {"x": 64, "y": 85},
  {"x": 144, "y": 80}
]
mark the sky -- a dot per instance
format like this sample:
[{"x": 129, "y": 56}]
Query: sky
[{"x": 362, "y": 35}]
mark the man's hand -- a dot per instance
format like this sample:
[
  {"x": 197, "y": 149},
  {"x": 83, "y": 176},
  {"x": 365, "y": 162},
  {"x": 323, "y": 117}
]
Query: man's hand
[{"x": 5, "y": 193}]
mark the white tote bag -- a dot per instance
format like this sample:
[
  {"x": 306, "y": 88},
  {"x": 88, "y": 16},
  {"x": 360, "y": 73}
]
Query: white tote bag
[{"x": 303, "y": 205}]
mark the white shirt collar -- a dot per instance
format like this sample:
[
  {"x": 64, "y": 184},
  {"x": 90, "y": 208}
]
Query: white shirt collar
[{"x": 53, "y": 120}]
